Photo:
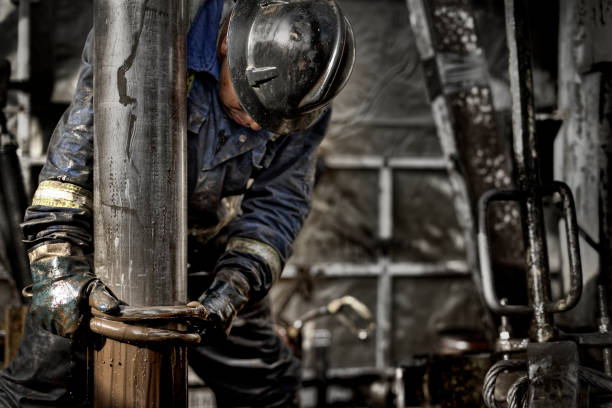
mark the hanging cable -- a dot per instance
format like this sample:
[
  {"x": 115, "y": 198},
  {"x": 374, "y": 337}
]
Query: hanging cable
[
  {"x": 488, "y": 389},
  {"x": 517, "y": 394}
]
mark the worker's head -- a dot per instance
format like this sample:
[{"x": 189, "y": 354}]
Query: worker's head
[{"x": 283, "y": 61}]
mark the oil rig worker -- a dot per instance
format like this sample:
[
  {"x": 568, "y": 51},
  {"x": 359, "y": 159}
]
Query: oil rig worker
[{"x": 252, "y": 136}]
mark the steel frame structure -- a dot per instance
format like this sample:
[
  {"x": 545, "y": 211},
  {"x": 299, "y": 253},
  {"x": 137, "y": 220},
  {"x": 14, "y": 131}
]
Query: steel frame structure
[{"x": 384, "y": 270}]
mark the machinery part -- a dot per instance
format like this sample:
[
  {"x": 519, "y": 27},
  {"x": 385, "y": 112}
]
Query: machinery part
[
  {"x": 571, "y": 225},
  {"x": 192, "y": 311},
  {"x": 488, "y": 389},
  {"x": 553, "y": 374},
  {"x": 340, "y": 308},
  {"x": 588, "y": 339},
  {"x": 510, "y": 345},
  {"x": 527, "y": 167},
  {"x": 505, "y": 344},
  {"x": 287, "y": 60},
  {"x": 140, "y": 198},
  {"x": 595, "y": 378},
  {"x": 517, "y": 394},
  {"x": 128, "y": 333}
]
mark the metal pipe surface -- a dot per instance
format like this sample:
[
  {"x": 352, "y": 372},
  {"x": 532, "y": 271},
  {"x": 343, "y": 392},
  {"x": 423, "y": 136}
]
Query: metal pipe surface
[
  {"x": 527, "y": 167},
  {"x": 140, "y": 188},
  {"x": 140, "y": 150}
]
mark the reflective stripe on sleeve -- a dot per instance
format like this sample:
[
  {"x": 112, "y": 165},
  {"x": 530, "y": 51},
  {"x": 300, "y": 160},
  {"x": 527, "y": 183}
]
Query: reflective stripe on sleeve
[
  {"x": 52, "y": 250},
  {"x": 259, "y": 249},
  {"x": 52, "y": 193}
]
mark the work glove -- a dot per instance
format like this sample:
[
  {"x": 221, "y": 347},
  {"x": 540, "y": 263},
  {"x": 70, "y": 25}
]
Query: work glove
[
  {"x": 223, "y": 300},
  {"x": 63, "y": 290}
]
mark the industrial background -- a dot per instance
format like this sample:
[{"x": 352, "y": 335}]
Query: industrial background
[{"x": 421, "y": 132}]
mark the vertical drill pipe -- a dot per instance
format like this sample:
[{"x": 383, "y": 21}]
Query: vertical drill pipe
[
  {"x": 527, "y": 167},
  {"x": 139, "y": 189}
]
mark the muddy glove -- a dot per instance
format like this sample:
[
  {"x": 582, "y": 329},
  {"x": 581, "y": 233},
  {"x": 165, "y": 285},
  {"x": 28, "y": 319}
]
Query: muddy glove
[
  {"x": 224, "y": 299},
  {"x": 63, "y": 290}
]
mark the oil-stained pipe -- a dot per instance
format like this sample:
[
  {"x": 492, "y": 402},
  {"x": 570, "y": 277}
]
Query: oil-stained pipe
[
  {"x": 139, "y": 186},
  {"x": 527, "y": 167}
]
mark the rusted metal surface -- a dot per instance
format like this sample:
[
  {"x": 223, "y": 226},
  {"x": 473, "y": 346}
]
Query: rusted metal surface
[
  {"x": 147, "y": 324},
  {"x": 139, "y": 190},
  {"x": 128, "y": 333},
  {"x": 129, "y": 376},
  {"x": 192, "y": 311},
  {"x": 553, "y": 375},
  {"x": 527, "y": 167}
]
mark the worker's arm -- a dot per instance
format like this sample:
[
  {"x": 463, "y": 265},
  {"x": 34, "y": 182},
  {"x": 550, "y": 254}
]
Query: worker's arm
[
  {"x": 261, "y": 240},
  {"x": 58, "y": 225}
]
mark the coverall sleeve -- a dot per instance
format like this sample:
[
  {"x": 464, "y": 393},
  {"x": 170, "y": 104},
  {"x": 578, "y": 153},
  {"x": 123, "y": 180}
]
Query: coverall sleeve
[
  {"x": 274, "y": 209},
  {"x": 59, "y": 221}
]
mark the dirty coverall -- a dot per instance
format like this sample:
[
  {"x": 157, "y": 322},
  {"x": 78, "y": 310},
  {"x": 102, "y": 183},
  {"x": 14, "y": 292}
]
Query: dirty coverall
[{"x": 249, "y": 193}]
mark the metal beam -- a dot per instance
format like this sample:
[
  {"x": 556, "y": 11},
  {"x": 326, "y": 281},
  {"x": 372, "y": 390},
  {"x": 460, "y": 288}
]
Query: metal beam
[
  {"x": 372, "y": 270},
  {"x": 527, "y": 167},
  {"x": 140, "y": 189},
  {"x": 457, "y": 81},
  {"x": 367, "y": 162}
]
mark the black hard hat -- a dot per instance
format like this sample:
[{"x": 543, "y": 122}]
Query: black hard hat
[{"x": 287, "y": 59}]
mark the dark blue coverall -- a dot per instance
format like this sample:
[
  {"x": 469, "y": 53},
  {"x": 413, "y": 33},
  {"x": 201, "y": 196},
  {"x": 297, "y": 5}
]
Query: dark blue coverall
[{"x": 249, "y": 193}]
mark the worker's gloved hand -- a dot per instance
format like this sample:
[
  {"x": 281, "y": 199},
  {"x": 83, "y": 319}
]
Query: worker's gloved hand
[
  {"x": 223, "y": 300},
  {"x": 63, "y": 290}
]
